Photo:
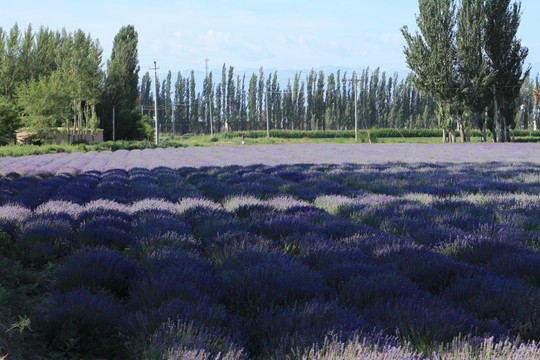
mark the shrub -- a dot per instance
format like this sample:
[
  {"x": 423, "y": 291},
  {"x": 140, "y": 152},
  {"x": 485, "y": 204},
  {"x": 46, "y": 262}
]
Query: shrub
[
  {"x": 241, "y": 205},
  {"x": 105, "y": 209},
  {"x": 429, "y": 270},
  {"x": 337, "y": 264},
  {"x": 190, "y": 207},
  {"x": 372, "y": 347},
  {"x": 157, "y": 222},
  {"x": 363, "y": 291},
  {"x": 96, "y": 269},
  {"x": 477, "y": 250},
  {"x": 426, "y": 321},
  {"x": 43, "y": 240},
  {"x": 11, "y": 218},
  {"x": 275, "y": 226},
  {"x": 33, "y": 196},
  {"x": 143, "y": 246},
  {"x": 523, "y": 265},
  {"x": 90, "y": 323},
  {"x": 277, "y": 331},
  {"x": 253, "y": 281},
  {"x": 188, "y": 340},
  {"x": 511, "y": 301},
  {"x": 299, "y": 191},
  {"x": 226, "y": 244},
  {"x": 139, "y": 192},
  {"x": 173, "y": 274},
  {"x": 90, "y": 234}
]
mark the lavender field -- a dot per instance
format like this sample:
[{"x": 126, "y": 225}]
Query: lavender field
[
  {"x": 270, "y": 155},
  {"x": 272, "y": 252}
]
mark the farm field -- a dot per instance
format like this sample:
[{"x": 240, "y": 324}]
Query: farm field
[
  {"x": 73, "y": 163},
  {"x": 277, "y": 137},
  {"x": 312, "y": 251}
]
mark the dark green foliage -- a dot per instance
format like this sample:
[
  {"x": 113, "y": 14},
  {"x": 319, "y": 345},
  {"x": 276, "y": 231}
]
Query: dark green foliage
[
  {"x": 333, "y": 134},
  {"x": 123, "y": 70},
  {"x": 53, "y": 77},
  {"x": 9, "y": 121},
  {"x": 121, "y": 87},
  {"x": 506, "y": 56},
  {"x": 131, "y": 126},
  {"x": 467, "y": 57}
]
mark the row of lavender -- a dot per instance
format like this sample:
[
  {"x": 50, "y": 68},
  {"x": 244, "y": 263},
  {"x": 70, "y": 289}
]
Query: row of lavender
[
  {"x": 299, "y": 260},
  {"x": 73, "y": 163}
]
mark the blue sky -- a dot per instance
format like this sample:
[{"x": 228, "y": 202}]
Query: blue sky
[{"x": 277, "y": 34}]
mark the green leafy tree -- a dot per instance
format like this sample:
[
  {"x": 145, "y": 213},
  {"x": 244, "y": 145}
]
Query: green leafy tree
[
  {"x": 165, "y": 104},
  {"x": 431, "y": 54},
  {"x": 146, "y": 98},
  {"x": 9, "y": 121},
  {"x": 297, "y": 122},
  {"x": 232, "y": 105},
  {"x": 261, "y": 93},
  {"x": 252, "y": 103},
  {"x": 319, "y": 105},
  {"x": 506, "y": 56},
  {"x": 181, "y": 110},
  {"x": 46, "y": 104},
  {"x": 193, "y": 105},
  {"x": 208, "y": 96},
  {"x": 121, "y": 85},
  {"x": 45, "y": 53},
  {"x": 475, "y": 75},
  {"x": 83, "y": 74}
]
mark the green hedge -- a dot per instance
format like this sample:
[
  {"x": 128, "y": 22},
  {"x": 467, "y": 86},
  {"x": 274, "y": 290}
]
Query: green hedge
[
  {"x": 292, "y": 134},
  {"x": 375, "y": 133},
  {"x": 331, "y": 134}
]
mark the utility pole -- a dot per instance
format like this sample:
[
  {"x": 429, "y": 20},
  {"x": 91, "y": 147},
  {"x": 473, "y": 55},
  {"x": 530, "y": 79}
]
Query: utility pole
[
  {"x": 155, "y": 68},
  {"x": 536, "y": 110},
  {"x": 355, "y": 107},
  {"x": 267, "y": 117},
  {"x": 209, "y": 99},
  {"x": 173, "y": 130},
  {"x": 113, "y": 124}
]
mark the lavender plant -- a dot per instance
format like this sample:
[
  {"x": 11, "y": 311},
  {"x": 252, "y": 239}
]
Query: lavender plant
[
  {"x": 97, "y": 269},
  {"x": 86, "y": 322}
]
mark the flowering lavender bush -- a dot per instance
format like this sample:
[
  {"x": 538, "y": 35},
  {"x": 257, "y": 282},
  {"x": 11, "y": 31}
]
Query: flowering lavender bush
[
  {"x": 253, "y": 281},
  {"x": 168, "y": 258},
  {"x": 96, "y": 269},
  {"x": 88, "y": 322},
  {"x": 43, "y": 239}
]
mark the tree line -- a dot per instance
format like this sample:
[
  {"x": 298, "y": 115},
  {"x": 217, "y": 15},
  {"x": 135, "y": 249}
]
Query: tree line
[
  {"x": 467, "y": 57},
  {"x": 48, "y": 79},
  {"x": 314, "y": 102},
  {"x": 55, "y": 79}
]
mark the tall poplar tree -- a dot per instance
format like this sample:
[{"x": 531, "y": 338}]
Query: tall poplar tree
[
  {"x": 146, "y": 98},
  {"x": 121, "y": 86},
  {"x": 475, "y": 75},
  {"x": 180, "y": 111},
  {"x": 431, "y": 55},
  {"x": 232, "y": 106},
  {"x": 506, "y": 56},
  {"x": 252, "y": 103},
  {"x": 193, "y": 105}
]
